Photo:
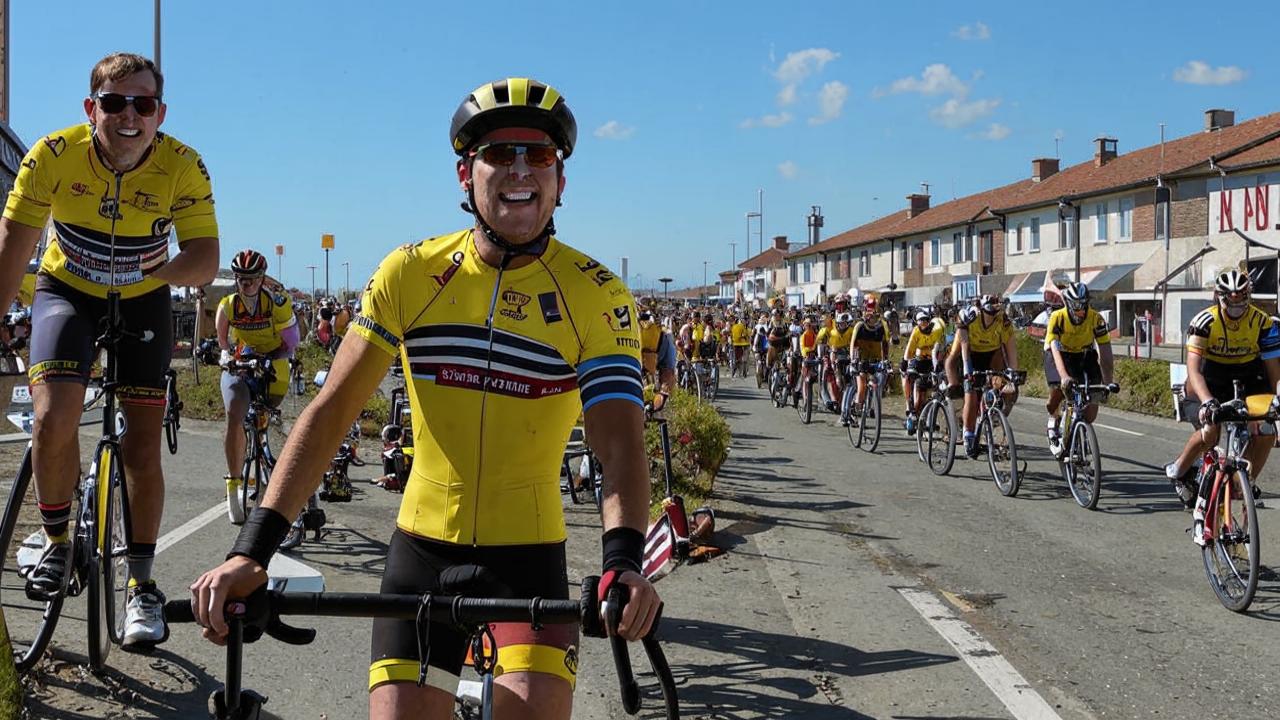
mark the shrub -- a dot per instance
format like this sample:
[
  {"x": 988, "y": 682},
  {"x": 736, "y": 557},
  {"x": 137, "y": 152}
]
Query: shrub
[{"x": 699, "y": 439}]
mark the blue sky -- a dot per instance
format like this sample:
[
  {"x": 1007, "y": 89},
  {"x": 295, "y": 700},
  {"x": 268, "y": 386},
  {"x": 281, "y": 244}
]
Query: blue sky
[{"x": 321, "y": 116}]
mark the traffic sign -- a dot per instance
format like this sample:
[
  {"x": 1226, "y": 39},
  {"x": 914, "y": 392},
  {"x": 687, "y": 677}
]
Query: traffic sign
[{"x": 326, "y": 241}]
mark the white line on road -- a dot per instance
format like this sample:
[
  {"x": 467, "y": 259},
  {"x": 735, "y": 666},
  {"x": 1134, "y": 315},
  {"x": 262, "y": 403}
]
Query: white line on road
[
  {"x": 1126, "y": 432},
  {"x": 981, "y": 657},
  {"x": 174, "y": 536}
]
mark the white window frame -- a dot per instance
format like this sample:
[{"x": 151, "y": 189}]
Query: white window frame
[
  {"x": 1015, "y": 247},
  {"x": 1033, "y": 241},
  {"x": 1066, "y": 231},
  {"x": 864, "y": 263},
  {"x": 1100, "y": 218},
  {"x": 1126, "y": 220},
  {"x": 935, "y": 251}
]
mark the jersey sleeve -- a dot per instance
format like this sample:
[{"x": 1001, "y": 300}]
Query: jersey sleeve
[
  {"x": 380, "y": 321},
  {"x": 609, "y": 364},
  {"x": 913, "y": 342},
  {"x": 282, "y": 316},
  {"x": 1053, "y": 331},
  {"x": 192, "y": 208},
  {"x": 1101, "y": 333},
  {"x": 1269, "y": 339},
  {"x": 1198, "y": 332},
  {"x": 31, "y": 199}
]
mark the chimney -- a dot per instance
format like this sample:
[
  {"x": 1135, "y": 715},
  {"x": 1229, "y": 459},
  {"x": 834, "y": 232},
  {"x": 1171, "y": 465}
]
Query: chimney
[
  {"x": 1105, "y": 151},
  {"x": 1042, "y": 168},
  {"x": 815, "y": 224},
  {"x": 780, "y": 243},
  {"x": 919, "y": 203},
  {"x": 1216, "y": 119}
]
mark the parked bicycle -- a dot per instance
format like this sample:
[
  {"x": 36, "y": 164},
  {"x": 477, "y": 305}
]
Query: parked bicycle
[
  {"x": 261, "y": 614},
  {"x": 995, "y": 430},
  {"x": 936, "y": 434},
  {"x": 1230, "y": 537},
  {"x": 1080, "y": 459},
  {"x": 98, "y": 554}
]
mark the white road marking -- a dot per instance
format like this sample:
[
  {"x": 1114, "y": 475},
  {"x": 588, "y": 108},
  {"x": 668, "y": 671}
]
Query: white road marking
[
  {"x": 1126, "y": 432},
  {"x": 1007, "y": 683},
  {"x": 176, "y": 535}
]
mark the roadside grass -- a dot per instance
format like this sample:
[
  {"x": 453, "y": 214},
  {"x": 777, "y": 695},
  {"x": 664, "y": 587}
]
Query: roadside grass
[{"x": 10, "y": 687}]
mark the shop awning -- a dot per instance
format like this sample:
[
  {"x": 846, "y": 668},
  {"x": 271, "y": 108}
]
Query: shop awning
[
  {"x": 1026, "y": 288},
  {"x": 1110, "y": 276}
]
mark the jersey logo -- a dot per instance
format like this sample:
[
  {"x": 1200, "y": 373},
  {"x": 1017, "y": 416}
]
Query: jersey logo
[
  {"x": 160, "y": 228},
  {"x": 515, "y": 301},
  {"x": 592, "y": 268},
  {"x": 203, "y": 170},
  {"x": 56, "y": 144},
  {"x": 550, "y": 307},
  {"x": 622, "y": 314},
  {"x": 571, "y": 660},
  {"x": 78, "y": 189},
  {"x": 281, "y": 300},
  {"x": 144, "y": 201},
  {"x": 443, "y": 278},
  {"x": 108, "y": 208}
]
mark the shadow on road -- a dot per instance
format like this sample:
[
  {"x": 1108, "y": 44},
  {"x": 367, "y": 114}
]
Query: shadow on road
[{"x": 741, "y": 687}]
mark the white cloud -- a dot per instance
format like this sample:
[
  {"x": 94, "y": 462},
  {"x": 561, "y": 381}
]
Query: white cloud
[
  {"x": 614, "y": 130},
  {"x": 788, "y": 170},
  {"x": 1200, "y": 73},
  {"x": 787, "y": 95},
  {"x": 937, "y": 79},
  {"x": 771, "y": 121},
  {"x": 996, "y": 132},
  {"x": 976, "y": 31},
  {"x": 801, "y": 64},
  {"x": 831, "y": 101},
  {"x": 956, "y": 112}
]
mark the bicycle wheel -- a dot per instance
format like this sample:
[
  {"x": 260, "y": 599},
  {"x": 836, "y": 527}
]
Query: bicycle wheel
[
  {"x": 1085, "y": 462},
  {"x": 761, "y": 374},
  {"x": 938, "y": 437},
  {"x": 108, "y": 559},
  {"x": 872, "y": 419},
  {"x": 778, "y": 389},
  {"x": 805, "y": 408},
  {"x": 30, "y": 623},
  {"x": 713, "y": 387},
  {"x": 1231, "y": 556},
  {"x": 1002, "y": 452},
  {"x": 172, "y": 408},
  {"x": 699, "y": 390},
  {"x": 847, "y": 414}
]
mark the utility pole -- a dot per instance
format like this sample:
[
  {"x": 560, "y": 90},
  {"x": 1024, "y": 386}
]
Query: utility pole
[
  {"x": 326, "y": 243},
  {"x": 346, "y": 288},
  {"x": 4, "y": 60},
  {"x": 312, "y": 268},
  {"x": 156, "y": 58}
]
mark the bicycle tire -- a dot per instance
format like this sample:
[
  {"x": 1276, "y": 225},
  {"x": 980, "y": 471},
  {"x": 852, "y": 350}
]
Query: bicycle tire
[
  {"x": 172, "y": 410},
  {"x": 698, "y": 390},
  {"x": 777, "y": 389},
  {"x": 805, "y": 408},
  {"x": 30, "y": 623},
  {"x": 1086, "y": 465},
  {"x": 1234, "y": 579},
  {"x": 1001, "y": 448},
  {"x": 875, "y": 407},
  {"x": 762, "y": 374},
  {"x": 941, "y": 443},
  {"x": 921, "y": 424},
  {"x": 713, "y": 388},
  {"x": 92, "y": 537}
]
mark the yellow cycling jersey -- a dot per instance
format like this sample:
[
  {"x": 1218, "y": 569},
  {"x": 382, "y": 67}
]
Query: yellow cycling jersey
[
  {"x": 738, "y": 334},
  {"x": 1233, "y": 342},
  {"x": 63, "y": 176},
  {"x": 493, "y": 404},
  {"x": 258, "y": 329},
  {"x": 921, "y": 344},
  {"x": 1073, "y": 338},
  {"x": 808, "y": 342},
  {"x": 836, "y": 338},
  {"x": 988, "y": 338},
  {"x": 869, "y": 341}
]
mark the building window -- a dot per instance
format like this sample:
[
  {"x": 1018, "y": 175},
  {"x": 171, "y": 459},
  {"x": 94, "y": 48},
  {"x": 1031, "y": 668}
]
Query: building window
[
  {"x": 1162, "y": 214},
  {"x": 808, "y": 269},
  {"x": 795, "y": 270},
  {"x": 935, "y": 251},
  {"x": 864, "y": 263},
  {"x": 917, "y": 254},
  {"x": 1066, "y": 229},
  {"x": 1126, "y": 218},
  {"x": 1015, "y": 240},
  {"x": 959, "y": 248},
  {"x": 1100, "y": 222},
  {"x": 904, "y": 254},
  {"x": 1034, "y": 245}
]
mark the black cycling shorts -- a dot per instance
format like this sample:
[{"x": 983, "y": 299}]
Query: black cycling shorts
[
  {"x": 414, "y": 565},
  {"x": 922, "y": 365},
  {"x": 982, "y": 361},
  {"x": 1219, "y": 377},
  {"x": 1079, "y": 365},
  {"x": 65, "y": 323}
]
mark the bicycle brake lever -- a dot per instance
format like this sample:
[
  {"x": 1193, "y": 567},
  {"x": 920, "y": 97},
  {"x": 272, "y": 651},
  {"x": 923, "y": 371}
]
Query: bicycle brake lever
[
  {"x": 289, "y": 634},
  {"x": 621, "y": 658}
]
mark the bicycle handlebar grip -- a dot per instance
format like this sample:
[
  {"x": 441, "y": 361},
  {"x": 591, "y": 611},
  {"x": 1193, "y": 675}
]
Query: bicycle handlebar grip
[{"x": 179, "y": 611}]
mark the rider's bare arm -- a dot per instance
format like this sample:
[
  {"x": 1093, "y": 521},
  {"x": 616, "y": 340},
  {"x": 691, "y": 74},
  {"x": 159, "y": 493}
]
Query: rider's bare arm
[
  {"x": 195, "y": 264},
  {"x": 1196, "y": 385},
  {"x": 1107, "y": 360},
  {"x": 615, "y": 432},
  {"x": 17, "y": 245},
  {"x": 223, "y": 325}
]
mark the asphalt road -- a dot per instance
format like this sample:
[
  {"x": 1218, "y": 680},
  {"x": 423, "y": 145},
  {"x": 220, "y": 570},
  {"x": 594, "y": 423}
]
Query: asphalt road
[{"x": 843, "y": 572}]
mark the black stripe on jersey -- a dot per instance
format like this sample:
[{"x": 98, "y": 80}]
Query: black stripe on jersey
[
  {"x": 377, "y": 329},
  {"x": 429, "y": 353},
  {"x": 1202, "y": 321},
  {"x": 452, "y": 331},
  {"x": 608, "y": 371},
  {"x": 99, "y": 242}
]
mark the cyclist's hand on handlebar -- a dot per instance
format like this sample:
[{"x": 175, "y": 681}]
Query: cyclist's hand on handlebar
[
  {"x": 641, "y": 607},
  {"x": 225, "y": 358},
  {"x": 1208, "y": 409},
  {"x": 233, "y": 579},
  {"x": 1113, "y": 388},
  {"x": 1067, "y": 383}
]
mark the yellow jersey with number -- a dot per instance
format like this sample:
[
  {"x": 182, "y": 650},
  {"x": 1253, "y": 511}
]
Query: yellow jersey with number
[
  {"x": 258, "y": 329},
  {"x": 498, "y": 367},
  {"x": 63, "y": 176}
]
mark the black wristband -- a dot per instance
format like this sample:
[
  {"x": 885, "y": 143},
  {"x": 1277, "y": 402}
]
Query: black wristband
[
  {"x": 262, "y": 533},
  {"x": 623, "y": 549}
]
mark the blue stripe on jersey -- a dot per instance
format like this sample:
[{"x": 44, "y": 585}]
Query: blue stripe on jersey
[
  {"x": 1269, "y": 343},
  {"x": 612, "y": 377}
]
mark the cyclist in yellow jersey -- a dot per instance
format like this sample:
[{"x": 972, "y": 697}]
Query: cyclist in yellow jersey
[
  {"x": 870, "y": 341},
  {"x": 984, "y": 337},
  {"x": 250, "y": 322},
  {"x": 740, "y": 337},
  {"x": 114, "y": 187},
  {"x": 922, "y": 355},
  {"x": 1232, "y": 340},
  {"x": 836, "y": 340},
  {"x": 506, "y": 336},
  {"x": 1077, "y": 346}
]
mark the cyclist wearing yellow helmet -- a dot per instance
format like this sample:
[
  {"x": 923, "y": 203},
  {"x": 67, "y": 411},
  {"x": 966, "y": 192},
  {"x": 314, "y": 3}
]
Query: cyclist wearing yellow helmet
[{"x": 506, "y": 335}]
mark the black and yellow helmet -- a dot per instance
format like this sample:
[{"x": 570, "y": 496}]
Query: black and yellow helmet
[{"x": 513, "y": 102}]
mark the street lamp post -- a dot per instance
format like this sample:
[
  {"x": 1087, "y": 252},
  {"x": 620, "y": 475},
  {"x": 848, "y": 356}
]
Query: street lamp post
[
  {"x": 665, "y": 281},
  {"x": 749, "y": 216},
  {"x": 312, "y": 268},
  {"x": 704, "y": 282},
  {"x": 346, "y": 288}
]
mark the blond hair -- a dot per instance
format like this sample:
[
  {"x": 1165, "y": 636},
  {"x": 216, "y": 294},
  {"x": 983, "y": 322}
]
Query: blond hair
[{"x": 118, "y": 66}]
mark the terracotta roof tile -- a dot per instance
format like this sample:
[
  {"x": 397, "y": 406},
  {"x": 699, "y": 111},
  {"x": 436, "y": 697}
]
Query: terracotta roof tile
[
  {"x": 1267, "y": 153},
  {"x": 878, "y": 229},
  {"x": 1139, "y": 166},
  {"x": 771, "y": 257},
  {"x": 961, "y": 210}
]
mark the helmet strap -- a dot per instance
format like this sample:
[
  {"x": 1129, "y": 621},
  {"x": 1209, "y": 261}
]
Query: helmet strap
[{"x": 510, "y": 251}]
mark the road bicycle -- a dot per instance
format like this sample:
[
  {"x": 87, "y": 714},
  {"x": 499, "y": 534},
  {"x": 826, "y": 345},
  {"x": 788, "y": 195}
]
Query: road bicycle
[
  {"x": 297, "y": 383},
  {"x": 762, "y": 369},
  {"x": 172, "y": 410},
  {"x": 1230, "y": 534},
  {"x": 689, "y": 380},
  {"x": 259, "y": 459},
  {"x": 397, "y": 439},
  {"x": 707, "y": 371},
  {"x": 97, "y": 561},
  {"x": 780, "y": 379},
  {"x": 808, "y": 383},
  {"x": 469, "y": 606},
  {"x": 865, "y": 420},
  {"x": 936, "y": 427},
  {"x": 995, "y": 430},
  {"x": 833, "y": 364},
  {"x": 1079, "y": 458}
]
